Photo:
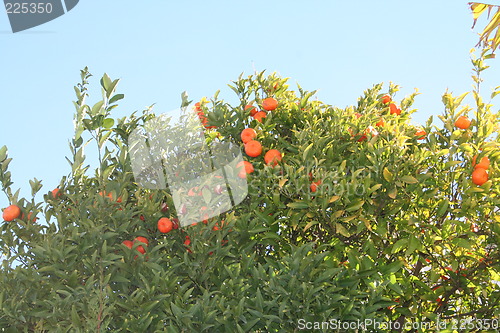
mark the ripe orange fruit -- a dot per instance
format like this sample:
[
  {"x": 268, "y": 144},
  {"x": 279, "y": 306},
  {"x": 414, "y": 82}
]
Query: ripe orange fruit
[
  {"x": 394, "y": 109},
  {"x": 55, "y": 193},
  {"x": 358, "y": 115},
  {"x": 362, "y": 138},
  {"x": 142, "y": 240},
  {"x": 259, "y": 116},
  {"x": 462, "y": 122},
  {"x": 420, "y": 134},
  {"x": 380, "y": 123},
  {"x": 252, "y": 109},
  {"x": 269, "y": 104},
  {"x": 246, "y": 168},
  {"x": 484, "y": 164},
  {"x": 128, "y": 243},
  {"x": 386, "y": 99},
  {"x": 479, "y": 176},
  {"x": 30, "y": 219},
  {"x": 272, "y": 157},
  {"x": 165, "y": 225},
  {"x": 187, "y": 241},
  {"x": 248, "y": 134},
  {"x": 314, "y": 186},
  {"x": 253, "y": 148},
  {"x": 11, "y": 213},
  {"x": 193, "y": 191}
]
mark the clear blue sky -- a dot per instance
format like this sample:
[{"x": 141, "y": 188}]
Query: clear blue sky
[{"x": 161, "y": 48}]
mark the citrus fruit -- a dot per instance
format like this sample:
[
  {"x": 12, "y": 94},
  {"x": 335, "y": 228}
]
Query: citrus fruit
[
  {"x": 269, "y": 104},
  {"x": 259, "y": 116},
  {"x": 420, "y": 134},
  {"x": 252, "y": 109},
  {"x": 479, "y": 176},
  {"x": 142, "y": 240},
  {"x": 272, "y": 157},
  {"x": 462, "y": 122},
  {"x": 11, "y": 213},
  {"x": 165, "y": 225},
  {"x": 484, "y": 164},
  {"x": 386, "y": 99},
  {"x": 248, "y": 134},
  {"x": 128, "y": 243},
  {"x": 246, "y": 168},
  {"x": 55, "y": 193},
  {"x": 394, "y": 109},
  {"x": 253, "y": 148}
]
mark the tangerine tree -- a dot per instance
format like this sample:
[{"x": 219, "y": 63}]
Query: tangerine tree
[{"x": 351, "y": 214}]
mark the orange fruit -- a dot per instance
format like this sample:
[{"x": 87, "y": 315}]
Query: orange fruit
[
  {"x": 187, "y": 241},
  {"x": 420, "y": 134},
  {"x": 128, "y": 243},
  {"x": 380, "y": 123},
  {"x": 484, "y": 164},
  {"x": 479, "y": 176},
  {"x": 246, "y": 168},
  {"x": 253, "y": 148},
  {"x": 269, "y": 104},
  {"x": 142, "y": 240},
  {"x": 248, "y": 134},
  {"x": 314, "y": 186},
  {"x": 386, "y": 99},
  {"x": 165, "y": 225},
  {"x": 259, "y": 116},
  {"x": 394, "y": 109},
  {"x": 251, "y": 108},
  {"x": 30, "y": 219},
  {"x": 462, "y": 122},
  {"x": 358, "y": 115},
  {"x": 272, "y": 157},
  {"x": 55, "y": 193},
  {"x": 192, "y": 191},
  {"x": 11, "y": 213}
]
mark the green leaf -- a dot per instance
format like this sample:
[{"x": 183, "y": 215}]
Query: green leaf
[
  {"x": 450, "y": 164},
  {"x": 305, "y": 154},
  {"x": 334, "y": 198},
  {"x": 409, "y": 179},
  {"x": 3, "y": 153},
  {"x": 393, "y": 193},
  {"x": 399, "y": 245},
  {"x": 461, "y": 242},
  {"x": 355, "y": 206},
  {"x": 388, "y": 175},
  {"x": 96, "y": 108},
  {"x": 341, "y": 230},
  {"x": 108, "y": 123},
  {"x": 116, "y": 98},
  {"x": 443, "y": 207},
  {"x": 392, "y": 268},
  {"x": 298, "y": 205}
]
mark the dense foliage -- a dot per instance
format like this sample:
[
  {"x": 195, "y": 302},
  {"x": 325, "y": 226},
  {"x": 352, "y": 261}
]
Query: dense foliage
[{"x": 366, "y": 216}]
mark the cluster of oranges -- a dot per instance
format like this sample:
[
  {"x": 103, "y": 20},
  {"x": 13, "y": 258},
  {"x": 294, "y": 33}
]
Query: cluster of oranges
[
  {"x": 203, "y": 118},
  {"x": 253, "y": 148},
  {"x": 386, "y": 100},
  {"x": 268, "y": 104},
  {"x": 480, "y": 173},
  {"x": 140, "y": 248}
]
